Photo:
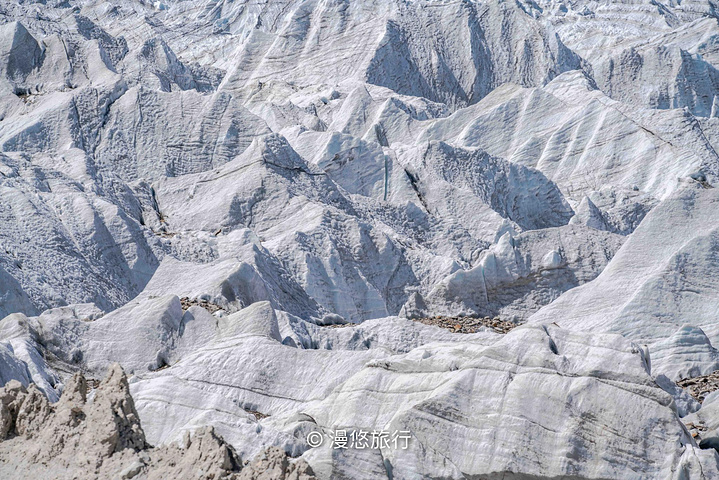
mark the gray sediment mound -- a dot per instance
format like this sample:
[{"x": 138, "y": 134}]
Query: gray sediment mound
[{"x": 99, "y": 436}]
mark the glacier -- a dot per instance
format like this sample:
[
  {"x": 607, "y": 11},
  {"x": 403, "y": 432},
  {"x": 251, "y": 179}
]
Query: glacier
[{"x": 252, "y": 219}]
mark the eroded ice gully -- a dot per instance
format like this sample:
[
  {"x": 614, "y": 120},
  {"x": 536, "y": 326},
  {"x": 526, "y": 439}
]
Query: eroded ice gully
[{"x": 464, "y": 239}]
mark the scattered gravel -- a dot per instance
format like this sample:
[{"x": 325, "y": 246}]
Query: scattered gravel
[
  {"x": 455, "y": 324},
  {"x": 468, "y": 324},
  {"x": 258, "y": 415},
  {"x": 700, "y": 387},
  {"x": 696, "y": 429},
  {"x": 340, "y": 325},
  {"x": 209, "y": 306}
]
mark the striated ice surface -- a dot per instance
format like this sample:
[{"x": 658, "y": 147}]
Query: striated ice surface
[{"x": 248, "y": 205}]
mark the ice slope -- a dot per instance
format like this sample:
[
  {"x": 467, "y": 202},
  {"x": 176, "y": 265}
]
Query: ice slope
[
  {"x": 662, "y": 277},
  {"x": 520, "y": 273},
  {"x": 459, "y": 59},
  {"x": 583, "y": 140},
  {"x": 453, "y": 393},
  {"x": 64, "y": 243},
  {"x": 470, "y": 415},
  {"x": 628, "y": 44}
]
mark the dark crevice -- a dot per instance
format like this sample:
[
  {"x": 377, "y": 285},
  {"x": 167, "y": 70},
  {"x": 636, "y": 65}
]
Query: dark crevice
[{"x": 414, "y": 181}]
